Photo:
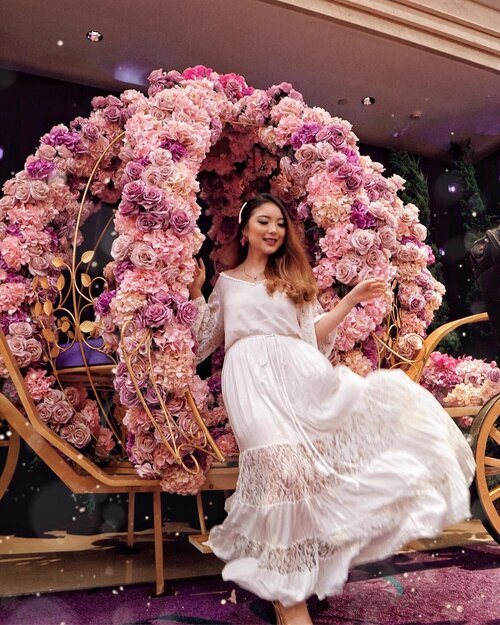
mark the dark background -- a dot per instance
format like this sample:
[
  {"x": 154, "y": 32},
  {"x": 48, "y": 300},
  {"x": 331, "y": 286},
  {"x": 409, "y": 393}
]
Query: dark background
[{"x": 37, "y": 501}]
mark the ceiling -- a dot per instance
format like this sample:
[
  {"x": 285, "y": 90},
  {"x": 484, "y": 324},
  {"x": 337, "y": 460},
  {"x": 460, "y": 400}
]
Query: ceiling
[{"x": 267, "y": 43}]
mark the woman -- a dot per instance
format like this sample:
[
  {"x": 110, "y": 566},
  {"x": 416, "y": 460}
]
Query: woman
[{"x": 335, "y": 470}]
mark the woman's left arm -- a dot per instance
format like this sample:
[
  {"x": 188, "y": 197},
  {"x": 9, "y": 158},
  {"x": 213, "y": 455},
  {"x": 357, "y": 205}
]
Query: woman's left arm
[{"x": 368, "y": 289}]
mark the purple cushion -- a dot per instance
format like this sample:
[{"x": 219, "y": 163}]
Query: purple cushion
[{"x": 72, "y": 357}]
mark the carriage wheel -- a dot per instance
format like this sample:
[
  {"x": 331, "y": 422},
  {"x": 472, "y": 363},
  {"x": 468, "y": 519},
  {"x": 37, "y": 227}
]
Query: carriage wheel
[
  {"x": 485, "y": 442},
  {"x": 9, "y": 454}
]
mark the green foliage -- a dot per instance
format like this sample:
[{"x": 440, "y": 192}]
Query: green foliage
[
  {"x": 476, "y": 221},
  {"x": 474, "y": 216},
  {"x": 416, "y": 190}
]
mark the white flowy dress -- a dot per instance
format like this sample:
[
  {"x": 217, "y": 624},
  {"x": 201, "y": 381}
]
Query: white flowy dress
[{"x": 335, "y": 470}]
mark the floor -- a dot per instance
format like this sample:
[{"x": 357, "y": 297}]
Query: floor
[{"x": 61, "y": 561}]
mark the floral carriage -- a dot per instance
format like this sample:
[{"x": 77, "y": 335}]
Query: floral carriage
[{"x": 131, "y": 411}]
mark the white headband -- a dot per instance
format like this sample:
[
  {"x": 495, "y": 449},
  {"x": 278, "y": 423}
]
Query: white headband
[{"x": 241, "y": 211}]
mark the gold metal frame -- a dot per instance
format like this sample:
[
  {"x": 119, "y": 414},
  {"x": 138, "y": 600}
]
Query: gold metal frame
[{"x": 80, "y": 474}]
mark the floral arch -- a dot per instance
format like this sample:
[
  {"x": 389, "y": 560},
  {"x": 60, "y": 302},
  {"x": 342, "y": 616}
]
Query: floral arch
[{"x": 198, "y": 139}]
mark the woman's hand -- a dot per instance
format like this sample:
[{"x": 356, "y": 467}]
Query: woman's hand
[
  {"x": 368, "y": 289},
  {"x": 198, "y": 280}
]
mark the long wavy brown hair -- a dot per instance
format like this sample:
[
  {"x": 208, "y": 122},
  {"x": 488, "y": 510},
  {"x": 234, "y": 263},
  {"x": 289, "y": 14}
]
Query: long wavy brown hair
[{"x": 288, "y": 269}]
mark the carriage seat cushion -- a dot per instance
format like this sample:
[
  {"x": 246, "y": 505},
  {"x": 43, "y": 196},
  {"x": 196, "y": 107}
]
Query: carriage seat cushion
[{"x": 72, "y": 357}]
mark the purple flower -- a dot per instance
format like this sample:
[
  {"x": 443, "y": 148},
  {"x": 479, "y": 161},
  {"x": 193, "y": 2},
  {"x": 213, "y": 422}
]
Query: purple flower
[
  {"x": 181, "y": 221},
  {"x": 128, "y": 397},
  {"x": 186, "y": 313},
  {"x": 134, "y": 170},
  {"x": 127, "y": 207},
  {"x": 360, "y": 216},
  {"x": 164, "y": 297},
  {"x": 344, "y": 171},
  {"x": 369, "y": 348},
  {"x": 147, "y": 221},
  {"x": 121, "y": 267},
  {"x": 151, "y": 396},
  {"x": 175, "y": 148},
  {"x": 218, "y": 358},
  {"x": 352, "y": 156},
  {"x": 215, "y": 383},
  {"x": 60, "y": 136},
  {"x": 151, "y": 197},
  {"x": 337, "y": 138},
  {"x": 133, "y": 191},
  {"x": 6, "y": 320},
  {"x": 14, "y": 230},
  {"x": 129, "y": 445},
  {"x": 157, "y": 314},
  {"x": 414, "y": 240},
  {"x": 306, "y": 134},
  {"x": 354, "y": 182},
  {"x": 40, "y": 169},
  {"x": 112, "y": 113},
  {"x": 54, "y": 239},
  {"x": 90, "y": 131},
  {"x": 103, "y": 301}
]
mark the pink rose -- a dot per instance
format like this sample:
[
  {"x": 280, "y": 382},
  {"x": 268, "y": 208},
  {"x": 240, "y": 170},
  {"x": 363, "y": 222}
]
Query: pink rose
[
  {"x": 62, "y": 412},
  {"x": 22, "y": 191},
  {"x": 121, "y": 246},
  {"x": 39, "y": 190},
  {"x": 362, "y": 240},
  {"x": 78, "y": 434},
  {"x": 105, "y": 443},
  {"x": 187, "y": 312},
  {"x": 149, "y": 221},
  {"x": 21, "y": 328},
  {"x": 143, "y": 256},
  {"x": 346, "y": 270},
  {"x": 157, "y": 314},
  {"x": 151, "y": 197},
  {"x": 181, "y": 222},
  {"x": 34, "y": 349},
  {"x": 72, "y": 395},
  {"x": 133, "y": 170},
  {"x": 133, "y": 191},
  {"x": 387, "y": 237},
  {"x": 38, "y": 266}
]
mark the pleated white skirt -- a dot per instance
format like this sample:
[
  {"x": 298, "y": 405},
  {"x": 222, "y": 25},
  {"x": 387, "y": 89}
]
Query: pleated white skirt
[{"x": 335, "y": 469}]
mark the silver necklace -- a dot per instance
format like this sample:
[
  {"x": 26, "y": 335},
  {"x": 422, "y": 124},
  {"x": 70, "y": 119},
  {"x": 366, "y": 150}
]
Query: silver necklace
[{"x": 254, "y": 278}]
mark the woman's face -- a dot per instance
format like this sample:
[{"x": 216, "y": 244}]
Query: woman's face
[{"x": 266, "y": 228}]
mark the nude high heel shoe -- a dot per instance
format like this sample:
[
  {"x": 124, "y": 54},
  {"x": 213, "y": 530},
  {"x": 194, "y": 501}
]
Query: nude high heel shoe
[{"x": 279, "y": 617}]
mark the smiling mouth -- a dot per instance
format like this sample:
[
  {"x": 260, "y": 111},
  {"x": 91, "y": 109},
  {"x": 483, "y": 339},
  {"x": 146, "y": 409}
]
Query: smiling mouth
[{"x": 271, "y": 241}]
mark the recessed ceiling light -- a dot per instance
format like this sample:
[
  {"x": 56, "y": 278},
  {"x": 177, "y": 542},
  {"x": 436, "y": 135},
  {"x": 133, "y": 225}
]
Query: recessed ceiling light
[
  {"x": 94, "y": 36},
  {"x": 60, "y": 42},
  {"x": 415, "y": 114},
  {"x": 342, "y": 101},
  {"x": 368, "y": 100}
]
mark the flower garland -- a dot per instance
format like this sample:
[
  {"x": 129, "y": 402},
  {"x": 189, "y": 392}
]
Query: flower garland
[
  {"x": 199, "y": 137},
  {"x": 463, "y": 381}
]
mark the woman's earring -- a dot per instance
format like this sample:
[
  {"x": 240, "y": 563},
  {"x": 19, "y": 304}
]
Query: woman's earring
[{"x": 243, "y": 240}]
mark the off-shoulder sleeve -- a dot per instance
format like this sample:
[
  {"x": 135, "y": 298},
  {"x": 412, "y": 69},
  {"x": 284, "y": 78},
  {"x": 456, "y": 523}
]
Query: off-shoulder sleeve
[
  {"x": 309, "y": 315},
  {"x": 208, "y": 327}
]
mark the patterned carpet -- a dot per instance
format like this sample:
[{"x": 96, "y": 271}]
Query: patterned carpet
[{"x": 459, "y": 586}]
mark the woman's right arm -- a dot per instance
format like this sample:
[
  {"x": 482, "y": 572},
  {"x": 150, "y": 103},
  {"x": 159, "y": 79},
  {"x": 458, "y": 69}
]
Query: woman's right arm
[{"x": 208, "y": 327}]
